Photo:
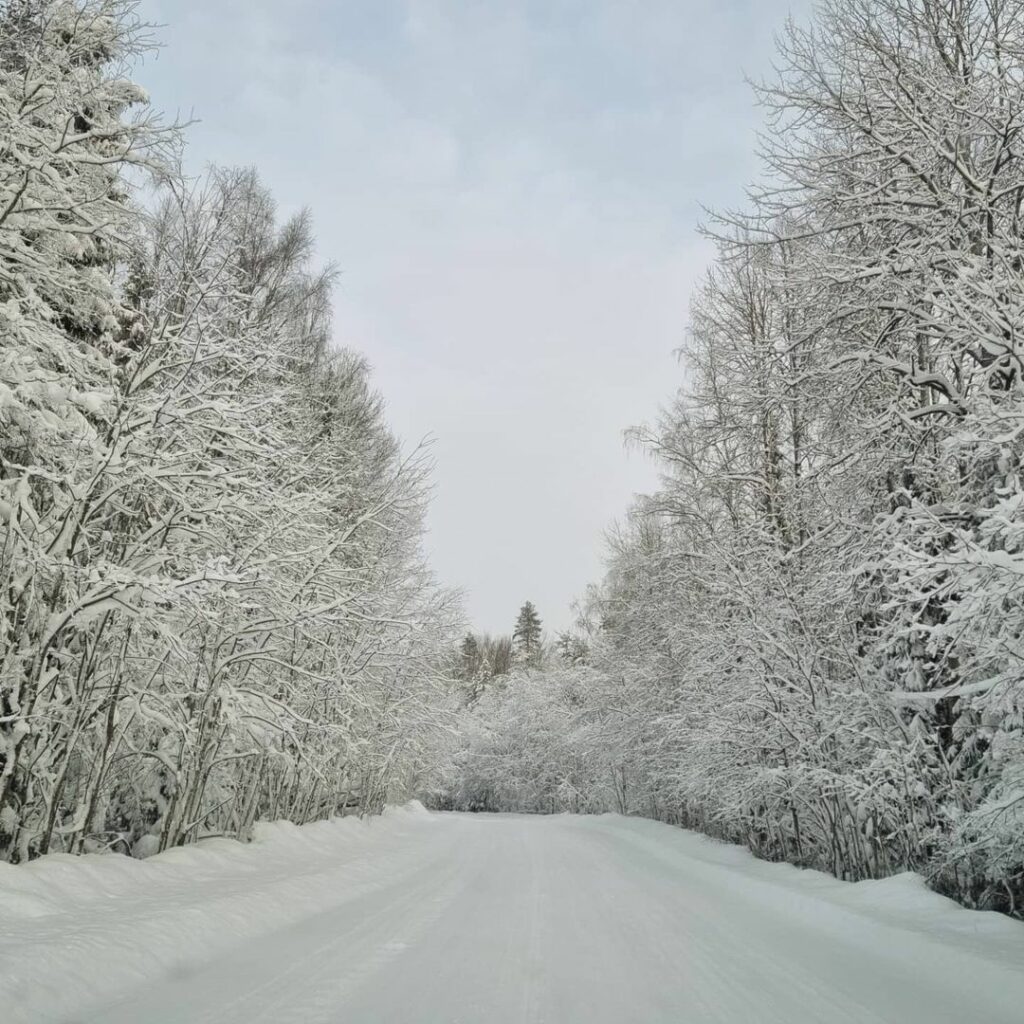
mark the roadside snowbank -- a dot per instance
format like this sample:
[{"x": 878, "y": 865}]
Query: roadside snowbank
[
  {"x": 75, "y": 928},
  {"x": 899, "y": 905}
]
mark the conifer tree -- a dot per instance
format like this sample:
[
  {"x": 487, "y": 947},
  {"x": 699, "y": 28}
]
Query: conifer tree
[
  {"x": 469, "y": 654},
  {"x": 526, "y": 637}
]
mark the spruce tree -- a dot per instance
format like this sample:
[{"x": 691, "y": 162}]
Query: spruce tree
[
  {"x": 470, "y": 657},
  {"x": 526, "y": 637}
]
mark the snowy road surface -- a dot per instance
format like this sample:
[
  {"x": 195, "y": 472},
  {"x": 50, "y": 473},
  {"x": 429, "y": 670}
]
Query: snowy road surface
[{"x": 426, "y": 919}]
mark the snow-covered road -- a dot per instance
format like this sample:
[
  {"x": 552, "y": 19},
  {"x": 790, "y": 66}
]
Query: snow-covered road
[{"x": 427, "y": 919}]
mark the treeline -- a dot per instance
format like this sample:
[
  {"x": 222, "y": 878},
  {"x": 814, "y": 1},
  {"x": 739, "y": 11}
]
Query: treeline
[
  {"x": 213, "y": 606},
  {"x": 811, "y": 637},
  {"x": 483, "y": 658}
]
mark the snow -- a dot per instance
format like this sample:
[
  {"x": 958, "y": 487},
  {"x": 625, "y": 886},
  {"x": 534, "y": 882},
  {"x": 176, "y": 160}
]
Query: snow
[{"x": 428, "y": 918}]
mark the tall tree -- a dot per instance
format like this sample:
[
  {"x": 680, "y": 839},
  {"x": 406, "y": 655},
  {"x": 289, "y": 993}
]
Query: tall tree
[
  {"x": 65, "y": 225},
  {"x": 469, "y": 657},
  {"x": 527, "y": 639},
  {"x": 213, "y": 603},
  {"x": 809, "y": 638}
]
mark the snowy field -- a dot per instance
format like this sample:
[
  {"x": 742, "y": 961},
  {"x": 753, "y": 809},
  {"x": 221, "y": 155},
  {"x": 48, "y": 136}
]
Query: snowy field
[{"x": 424, "y": 918}]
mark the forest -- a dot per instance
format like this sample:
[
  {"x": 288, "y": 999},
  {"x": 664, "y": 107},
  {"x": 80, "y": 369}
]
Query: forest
[
  {"x": 809, "y": 639},
  {"x": 215, "y": 609}
]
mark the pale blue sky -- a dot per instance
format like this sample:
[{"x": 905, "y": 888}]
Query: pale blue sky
[{"x": 511, "y": 191}]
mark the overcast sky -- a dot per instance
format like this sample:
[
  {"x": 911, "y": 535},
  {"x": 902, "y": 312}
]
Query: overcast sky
[{"x": 511, "y": 191}]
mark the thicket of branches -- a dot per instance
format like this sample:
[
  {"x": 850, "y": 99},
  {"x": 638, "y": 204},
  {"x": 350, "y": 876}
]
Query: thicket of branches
[
  {"x": 213, "y": 607},
  {"x": 811, "y": 638}
]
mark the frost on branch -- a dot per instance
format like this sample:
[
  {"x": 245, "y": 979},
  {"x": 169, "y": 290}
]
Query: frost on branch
[{"x": 212, "y": 601}]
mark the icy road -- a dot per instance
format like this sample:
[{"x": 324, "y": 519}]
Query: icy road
[{"x": 426, "y": 919}]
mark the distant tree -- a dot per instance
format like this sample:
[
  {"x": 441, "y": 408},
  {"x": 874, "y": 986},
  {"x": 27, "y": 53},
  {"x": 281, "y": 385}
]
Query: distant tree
[
  {"x": 470, "y": 657},
  {"x": 572, "y": 648},
  {"x": 480, "y": 658},
  {"x": 498, "y": 654},
  {"x": 526, "y": 637}
]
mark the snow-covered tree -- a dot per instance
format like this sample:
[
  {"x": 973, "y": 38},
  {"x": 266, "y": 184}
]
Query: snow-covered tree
[
  {"x": 527, "y": 637},
  {"x": 69, "y": 138},
  {"x": 214, "y": 606}
]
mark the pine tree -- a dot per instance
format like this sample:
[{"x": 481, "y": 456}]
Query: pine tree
[
  {"x": 526, "y": 637},
  {"x": 470, "y": 657}
]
